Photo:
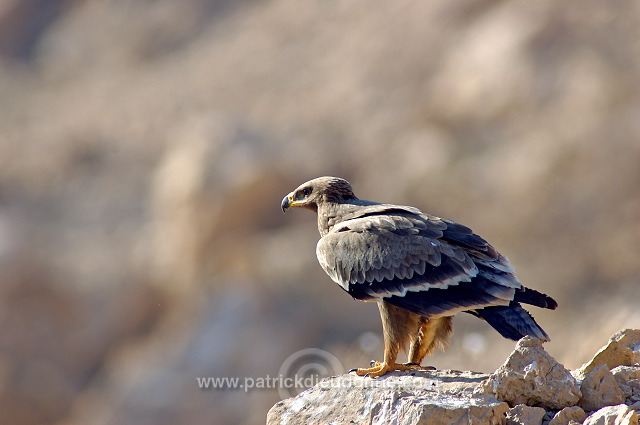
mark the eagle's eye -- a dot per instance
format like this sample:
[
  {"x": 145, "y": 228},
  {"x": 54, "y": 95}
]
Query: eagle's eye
[{"x": 302, "y": 193}]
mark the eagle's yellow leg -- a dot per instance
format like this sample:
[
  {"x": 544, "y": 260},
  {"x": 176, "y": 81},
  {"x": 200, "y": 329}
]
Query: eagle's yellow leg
[
  {"x": 401, "y": 328},
  {"x": 382, "y": 368}
]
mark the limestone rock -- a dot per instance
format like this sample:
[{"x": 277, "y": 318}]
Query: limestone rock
[
  {"x": 525, "y": 415},
  {"x": 422, "y": 397},
  {"x": 613, "y": 415},
  {"x": 628, "y": 378},
  {"x": 623, "y": 349},
  {"x": 531, "y": 376},
  {"x": 530, "y": 381},
  {"x": 567, "y": 415},
  {"x": 599, "y": 388}
]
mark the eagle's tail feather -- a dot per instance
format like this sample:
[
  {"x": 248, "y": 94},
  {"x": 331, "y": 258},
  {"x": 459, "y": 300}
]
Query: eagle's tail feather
[
  {"x": 512, "y": 321},
  {"x": 533, "y": 297}
]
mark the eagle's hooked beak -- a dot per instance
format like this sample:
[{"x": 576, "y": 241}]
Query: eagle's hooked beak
[{"x": 286, "y": 203}]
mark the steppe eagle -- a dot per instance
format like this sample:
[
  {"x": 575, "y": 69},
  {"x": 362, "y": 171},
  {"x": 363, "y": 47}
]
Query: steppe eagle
[{"x": 419, "y": 268}]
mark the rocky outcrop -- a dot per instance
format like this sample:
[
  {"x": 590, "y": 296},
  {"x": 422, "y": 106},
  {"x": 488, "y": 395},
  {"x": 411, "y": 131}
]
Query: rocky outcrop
[
  {"x": 567, "y": 415},
  {"x": 623, "y": 349},
  {"x": 613, "y": 415},
  {"x": 525, "y": 415},
  {"x": 612, "y": 376},
  {"x": 531, "y": 376},
  {"x": 530, "y": 388},
  {"x": 628, "y": 378},
  {"x": 600, "y": 388},
  {"x": 421, "y": 397}
]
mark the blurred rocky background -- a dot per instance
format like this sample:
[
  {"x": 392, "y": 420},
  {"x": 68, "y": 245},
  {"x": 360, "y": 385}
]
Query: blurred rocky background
[{"x": 145, "y": 147}]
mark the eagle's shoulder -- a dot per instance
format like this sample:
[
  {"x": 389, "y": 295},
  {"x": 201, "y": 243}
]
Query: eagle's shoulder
[{"x": 384, "y": 250}]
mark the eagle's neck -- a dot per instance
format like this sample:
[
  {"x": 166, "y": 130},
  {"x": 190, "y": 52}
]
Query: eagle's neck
[
  {"x": 329, "y": 214},
  {"x": 332, "y": 213}
]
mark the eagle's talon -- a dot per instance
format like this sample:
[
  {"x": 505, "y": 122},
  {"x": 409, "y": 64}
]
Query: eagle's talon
[
  {"x": 355, "y": 369},
  {"x": 383, "y": 368},
  {"x": 417, "y": 366}
]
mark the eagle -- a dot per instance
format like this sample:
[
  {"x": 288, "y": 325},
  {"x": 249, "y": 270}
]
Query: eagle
[{"x": 419, "y": 268}]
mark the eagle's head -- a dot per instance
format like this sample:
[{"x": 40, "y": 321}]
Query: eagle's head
[{"x": 321, "y": 190}]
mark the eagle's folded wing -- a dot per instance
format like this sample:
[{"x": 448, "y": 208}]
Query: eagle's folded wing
[{"x": 421, "y": 263}]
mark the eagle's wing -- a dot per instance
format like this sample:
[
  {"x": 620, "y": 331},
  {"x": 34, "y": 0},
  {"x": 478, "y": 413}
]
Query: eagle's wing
[{"x": 418, "y": 262}]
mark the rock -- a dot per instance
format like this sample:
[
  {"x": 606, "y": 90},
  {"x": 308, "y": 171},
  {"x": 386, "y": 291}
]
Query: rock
[
  {"x": 599, "y": 388},
  {"x": 530, "y": 381},
  {"x": 525, "y": 415},
  {"x": 422, "y": 397},
  {"x": 623, "y": 349},
  {"x": 628, "y": 378},
  {"x": 567, "y": 415},
  {"x": 531, "y": 376},
  {"x": 613, "y": 415}
]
